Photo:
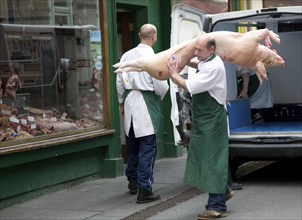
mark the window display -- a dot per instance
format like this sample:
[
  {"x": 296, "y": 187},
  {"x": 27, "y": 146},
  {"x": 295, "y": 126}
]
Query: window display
[{"x": 50, "y": 79}]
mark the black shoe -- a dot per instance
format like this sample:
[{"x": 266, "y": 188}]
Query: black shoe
[
  {"x": 132, "y": 186},
  {"x": 145, "y": 197},
  {"x": 228, "y": 195},
  {"x": 236, "y": 186}
]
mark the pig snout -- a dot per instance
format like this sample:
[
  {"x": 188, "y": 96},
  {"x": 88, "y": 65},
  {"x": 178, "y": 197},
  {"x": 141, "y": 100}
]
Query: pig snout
[{"x": 279, "y": 60}]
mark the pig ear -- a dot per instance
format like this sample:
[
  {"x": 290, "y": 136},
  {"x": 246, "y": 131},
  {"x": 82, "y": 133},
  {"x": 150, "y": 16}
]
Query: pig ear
[{"x": 267, "y": 42}]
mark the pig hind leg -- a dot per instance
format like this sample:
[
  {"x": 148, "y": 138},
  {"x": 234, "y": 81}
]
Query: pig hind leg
[
  {"x": 128, "y": 66},
  {"x": 128, "y": 69}
]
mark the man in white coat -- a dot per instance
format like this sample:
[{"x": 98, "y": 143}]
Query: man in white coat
[
  {"x": 139, "y": 96},
  {"x": 259, "y": 95}
]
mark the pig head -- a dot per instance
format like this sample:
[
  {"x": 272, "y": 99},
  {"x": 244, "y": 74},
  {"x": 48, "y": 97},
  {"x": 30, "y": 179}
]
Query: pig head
[{"x": 244, "y": 50}]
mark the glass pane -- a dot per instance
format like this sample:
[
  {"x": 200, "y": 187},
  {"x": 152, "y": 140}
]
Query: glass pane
[
  {"x": 60, "y": 3},
  {"x": 51, "y": 75},
  {"x": 61, "y": 19}
]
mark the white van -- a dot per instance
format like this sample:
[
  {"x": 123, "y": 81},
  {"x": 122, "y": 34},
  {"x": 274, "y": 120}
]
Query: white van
[{"x": 279, "y": 133}]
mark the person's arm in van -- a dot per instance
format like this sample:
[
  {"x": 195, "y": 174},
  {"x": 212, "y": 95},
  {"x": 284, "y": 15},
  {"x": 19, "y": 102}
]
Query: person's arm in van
[{"x": 245, "y": 85}]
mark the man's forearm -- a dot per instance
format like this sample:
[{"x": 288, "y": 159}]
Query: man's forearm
[
  {"x": 246, "y": 79},
  {"x": 178, "y": 80}
]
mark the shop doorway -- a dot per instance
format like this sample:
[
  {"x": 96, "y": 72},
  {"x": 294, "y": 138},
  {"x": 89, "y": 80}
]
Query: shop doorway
[
  {"x": 129, "y": 21},
  {"x": 125, "y": 32},
  {"x": 124, "y": 43}
]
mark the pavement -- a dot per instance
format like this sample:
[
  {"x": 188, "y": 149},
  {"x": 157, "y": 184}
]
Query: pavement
[
  {"x": 108, "y": 198},
  {"x": 262, "y": 198}
]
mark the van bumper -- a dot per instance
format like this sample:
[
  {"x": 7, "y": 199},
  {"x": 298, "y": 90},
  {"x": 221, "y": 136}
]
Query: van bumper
[{"x": 266, "y": 148}]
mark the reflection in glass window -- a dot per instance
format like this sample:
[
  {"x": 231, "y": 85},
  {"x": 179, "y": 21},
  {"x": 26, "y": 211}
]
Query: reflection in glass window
[
  {"x": 60, "y": 3},
  {"x": 51, "y": 68}
]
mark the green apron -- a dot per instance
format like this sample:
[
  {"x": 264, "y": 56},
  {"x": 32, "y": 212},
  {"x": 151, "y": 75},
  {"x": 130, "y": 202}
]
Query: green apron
[
  {"x": 153, "y": 105},
  {"x": 207, "y": 161}
]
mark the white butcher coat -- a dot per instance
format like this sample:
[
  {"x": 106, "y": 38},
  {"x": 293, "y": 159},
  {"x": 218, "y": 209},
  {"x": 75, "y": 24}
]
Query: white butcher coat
[
  {"x": 135, "y": 107},
  {"x": 263, "y": 97},
  {"x": 209, "y": 79}
]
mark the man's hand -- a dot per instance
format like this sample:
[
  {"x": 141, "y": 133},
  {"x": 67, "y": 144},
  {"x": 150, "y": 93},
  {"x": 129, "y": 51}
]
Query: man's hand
[
  {"x": 172, "y": 64},
  {"x": 243, "y": 94},
  {"x": 245, "y": 85},
  {"x": 174, "y": 70}
]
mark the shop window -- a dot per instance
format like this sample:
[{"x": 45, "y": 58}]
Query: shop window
[
  {"x": 61, "y": 3},
  {"x": 51, "y": 71}
]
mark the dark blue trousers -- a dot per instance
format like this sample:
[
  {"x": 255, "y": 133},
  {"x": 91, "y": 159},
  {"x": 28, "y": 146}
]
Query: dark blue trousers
[
  {"x": 216, "y": 201},
  {"x": 141, "y": 153}
]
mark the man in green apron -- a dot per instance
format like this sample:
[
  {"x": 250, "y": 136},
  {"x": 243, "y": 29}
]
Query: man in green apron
[{"x": 207, "y": 162}]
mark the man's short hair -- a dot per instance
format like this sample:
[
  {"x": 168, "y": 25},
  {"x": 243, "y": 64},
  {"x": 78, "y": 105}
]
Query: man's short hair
[
  {"x": 147, "y": 31},
  {"x": 211, "y": 42}
]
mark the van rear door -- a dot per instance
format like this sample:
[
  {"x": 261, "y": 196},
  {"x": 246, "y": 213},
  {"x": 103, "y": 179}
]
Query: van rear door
[
  {"x": 280, "y": 135},
  {"x": 187, "y": 23}
]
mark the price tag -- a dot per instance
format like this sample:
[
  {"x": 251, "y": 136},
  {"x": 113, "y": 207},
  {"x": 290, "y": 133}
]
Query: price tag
[
  {"x": 13, "y": 119},
  {"x": 30, "y": 118},
  {"x": 63, "y": 117},
  {"x": 19, "y": 128},
  {"x": 6, "y": 112},
  {"x": 53, "y": 119},
  {"x": 23, "y": 121},
  {"x": 33, "y": 126}
]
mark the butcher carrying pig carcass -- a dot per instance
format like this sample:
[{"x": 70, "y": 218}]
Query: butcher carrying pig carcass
[{"x": 244, "y": 50}]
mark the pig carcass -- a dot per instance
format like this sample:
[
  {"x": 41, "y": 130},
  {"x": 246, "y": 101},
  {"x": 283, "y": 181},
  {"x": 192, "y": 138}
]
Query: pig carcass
[
  {"x": 1, "y": 90},
  {"x": 244, "y": 50},
  {"x": 12, "y": 85}
]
